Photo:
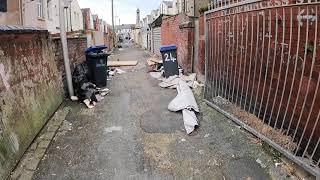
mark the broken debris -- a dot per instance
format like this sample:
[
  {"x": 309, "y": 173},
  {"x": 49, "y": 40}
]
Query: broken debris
[
  {"x": 186, "y": 103},
  {"x": 122, "y": 63},
  {"x": 113, "y": 129},
  {"x": 114, "y": 71},
  {"x": 190, "y": 120},
  {"x": 86, "y": 91},
  {"x": 172, "y": 81},
  {"x": 184, "y": 100}
]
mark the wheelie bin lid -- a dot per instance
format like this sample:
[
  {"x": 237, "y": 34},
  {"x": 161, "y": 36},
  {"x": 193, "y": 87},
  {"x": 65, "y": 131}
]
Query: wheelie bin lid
[
  {"x": 168, "y": 47},
  {"x": 95, "y": 48}
]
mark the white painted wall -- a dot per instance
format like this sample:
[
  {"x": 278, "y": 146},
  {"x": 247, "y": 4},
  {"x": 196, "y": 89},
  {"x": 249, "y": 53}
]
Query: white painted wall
[
  {"x": 176, "y": 6},
  {"x": 91, "y": 22},
  {"x": 75, "y": 23},
  {"x": 98, "y": 38},
  {"x": 184, "y": 5},
  {"x": 30, "y": 14},
  {"x": 164, "y": 9},
  {"x": 53, "y": 23}
]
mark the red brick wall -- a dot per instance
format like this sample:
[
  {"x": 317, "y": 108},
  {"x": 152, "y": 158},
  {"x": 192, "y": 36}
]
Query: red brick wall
[
  {"x": 76, "y": 47},
  {"x": 108, "y": 41},
  {"x": 200, "y": 64},
  {"x": 86, "y": 18},
  {"x": 176, "y": 30},
  {"x": 30, "y": 92}
]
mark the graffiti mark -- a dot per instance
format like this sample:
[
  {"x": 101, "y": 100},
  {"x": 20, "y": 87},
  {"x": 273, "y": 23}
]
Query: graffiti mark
[
  {"x": 301, "y": 17},
  {"x": 5, "y": 77}
]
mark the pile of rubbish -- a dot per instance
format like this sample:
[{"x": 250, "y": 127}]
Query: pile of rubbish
[
  {"x": 185, "y": 100},
  {"x": 86, "y": 91}
]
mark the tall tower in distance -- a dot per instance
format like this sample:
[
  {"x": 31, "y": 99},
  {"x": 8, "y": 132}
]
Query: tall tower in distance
[{"x": 138, "y": 17}]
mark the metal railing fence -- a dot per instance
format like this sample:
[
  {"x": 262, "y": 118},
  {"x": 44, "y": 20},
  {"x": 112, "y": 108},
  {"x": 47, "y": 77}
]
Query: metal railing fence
[{"x": 263, "y": 71}]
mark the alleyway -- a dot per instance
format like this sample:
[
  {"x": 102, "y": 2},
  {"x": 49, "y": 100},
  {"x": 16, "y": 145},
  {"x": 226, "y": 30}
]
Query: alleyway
[{"x": 132, "y": 135}]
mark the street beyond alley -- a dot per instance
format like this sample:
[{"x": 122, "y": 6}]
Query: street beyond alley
[{"x": 132, "y": 135}]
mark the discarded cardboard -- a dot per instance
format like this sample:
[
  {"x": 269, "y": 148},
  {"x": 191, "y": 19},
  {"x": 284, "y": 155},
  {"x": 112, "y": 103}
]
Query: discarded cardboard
[
  {"x": 155, "y": 60},
  {"x": 122, "y": 63},
  {"x": 151, "y": 63}
]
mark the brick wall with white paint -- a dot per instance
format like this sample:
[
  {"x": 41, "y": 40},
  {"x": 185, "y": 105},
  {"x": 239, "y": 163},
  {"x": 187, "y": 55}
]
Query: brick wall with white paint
[{"x": 30, "y": 92}]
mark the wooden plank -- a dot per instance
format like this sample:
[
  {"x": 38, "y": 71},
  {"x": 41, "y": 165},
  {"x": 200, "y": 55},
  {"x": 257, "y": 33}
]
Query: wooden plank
[
  {"x": 151, "y": 63},
  {"x": 122, "y": 63},
  {"x": 156, "y": 60}
]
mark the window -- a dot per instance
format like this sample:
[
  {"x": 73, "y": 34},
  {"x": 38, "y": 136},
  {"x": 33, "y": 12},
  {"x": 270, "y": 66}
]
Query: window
[
  {"x": 40, "y": 8},
  {"x": 3, "y": 5},
  {"x": 49, "y": 5}
]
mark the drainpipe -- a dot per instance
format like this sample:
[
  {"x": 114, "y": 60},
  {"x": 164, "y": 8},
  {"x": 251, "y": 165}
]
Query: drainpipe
[
  {"x": 64, "y": 43},
  {"x": 70, "y": 19},
  {"x": 21, "y": 12},
  {"x": 65, "y": 15},
  {"x": 194, "y": 8}
]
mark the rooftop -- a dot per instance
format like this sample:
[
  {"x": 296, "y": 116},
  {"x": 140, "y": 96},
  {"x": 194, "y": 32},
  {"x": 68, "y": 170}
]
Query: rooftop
[{"x": 14, "y": 28}]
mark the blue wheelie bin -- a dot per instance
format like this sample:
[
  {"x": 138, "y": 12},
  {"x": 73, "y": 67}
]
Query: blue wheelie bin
[
  {"x": 97, "y": 62},
  {"x": 170, "y": 62}
]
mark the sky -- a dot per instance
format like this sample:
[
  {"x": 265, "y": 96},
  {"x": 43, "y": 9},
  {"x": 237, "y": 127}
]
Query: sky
[{"x": 123, "y": 9}]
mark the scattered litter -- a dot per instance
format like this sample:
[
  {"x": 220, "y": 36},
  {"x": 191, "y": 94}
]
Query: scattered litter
[
  {"x": 86, "y": 91},
  {"x": 156, "y": 75},
  {"x": 122, "y": 63},
  {"x": 119, "y": 71},
  {"x": 184, "y": 100},
  {"x": 115, "y": 71},
  {"x": 112, "y": 129},
  {"x": 172, "y": 81},
  {"x": 191, "y": 77},
  {"x": 66, "y": 126},
  {"x": 151, "y": 63},
  {"x": 186, "y": 103},
  {"x": 183, "y": 140},
  {"x": 196, "y": 85},
  {"x": 190, "y": 120},
  {"x": 206, "y": 136},
  {"x": 154, "y": 64},
  {"x": 261, "y": 164},
  {"x": 74, "y": 98},
  {"x": 201, "y": 152},
  {"x": 278, "y": 164},
  {"x": 155, "y": 60}
]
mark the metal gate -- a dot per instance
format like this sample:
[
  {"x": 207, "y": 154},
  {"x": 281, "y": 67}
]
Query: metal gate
[
  {"x": 156, "y": 40},
  {"x": 263, "y": 72}
]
